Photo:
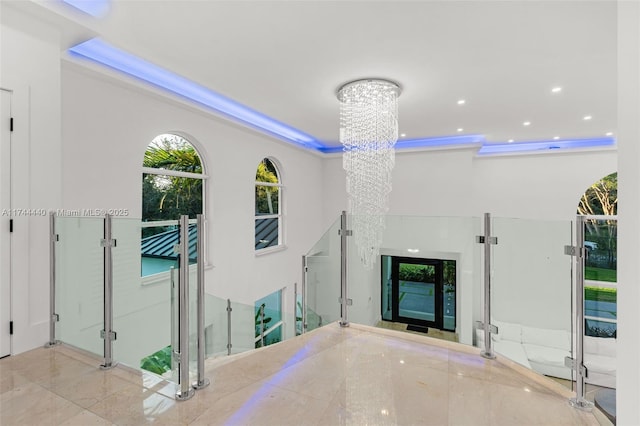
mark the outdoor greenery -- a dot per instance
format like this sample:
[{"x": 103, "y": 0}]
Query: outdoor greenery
[
  {"x": 416, "y": 273},
  {"x": 601, "y": 198},
  {"x": 158, "y": 362},
  {"x": 600, "y": 274},
  {"x": 450, "y": 272},
  {"x": 167, "y": 197},
  {"x": 267, "y": 197},
  {"x": 600, "y": 294}
]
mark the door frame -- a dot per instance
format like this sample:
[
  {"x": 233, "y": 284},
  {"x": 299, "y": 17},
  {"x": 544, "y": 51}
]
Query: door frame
[{"x": 6, "y": 216}]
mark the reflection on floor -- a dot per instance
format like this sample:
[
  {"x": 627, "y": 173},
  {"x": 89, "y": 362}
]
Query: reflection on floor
[
  {"x": 433, "y": 332},
  {"x": 331, "y": 376}
]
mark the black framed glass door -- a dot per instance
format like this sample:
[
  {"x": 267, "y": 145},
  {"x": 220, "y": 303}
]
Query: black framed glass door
[{"x": 419, "y": 291}]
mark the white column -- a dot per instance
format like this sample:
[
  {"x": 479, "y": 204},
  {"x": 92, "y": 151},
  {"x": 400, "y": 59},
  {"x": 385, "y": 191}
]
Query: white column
[{"x": 628, "y": 137}]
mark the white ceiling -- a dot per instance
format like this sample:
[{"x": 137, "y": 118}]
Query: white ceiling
[{"x": 287, "y": 58}]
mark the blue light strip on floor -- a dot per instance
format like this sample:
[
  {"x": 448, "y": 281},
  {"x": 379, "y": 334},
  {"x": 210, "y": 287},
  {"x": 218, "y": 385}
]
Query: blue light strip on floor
[
  {"x": 539, "y": 146},
  {"x": 103, "y": 53},
  {"x": 95, "y": 8}
]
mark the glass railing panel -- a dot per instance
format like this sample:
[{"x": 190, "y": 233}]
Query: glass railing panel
[
  {"x": 532, "y": 293},
  {"x": 216, "y": 326},
  {"x": 243, "y": 327},
  {"x": 141, "y": 304},
  {"x": 323, "y": 279},
  {"x": 427, "y": 277},
  {"x": 268, "y": 319},
  {"x": 79, "y": 282},
  {"x": 298, "y": 313},
  {"x": 600, "y": 300}
]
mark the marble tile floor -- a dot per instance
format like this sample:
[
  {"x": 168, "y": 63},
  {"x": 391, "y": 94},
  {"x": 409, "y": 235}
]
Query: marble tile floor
[
  {"x": 433, "y": 332},
  {"x": 330, "y": 376}
]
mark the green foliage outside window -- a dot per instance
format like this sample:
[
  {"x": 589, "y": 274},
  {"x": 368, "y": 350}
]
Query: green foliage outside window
[
  {"x": 167, "y": 197},
  {"x": 267, "y": 197},
  {"x": 416, "y": 273}
]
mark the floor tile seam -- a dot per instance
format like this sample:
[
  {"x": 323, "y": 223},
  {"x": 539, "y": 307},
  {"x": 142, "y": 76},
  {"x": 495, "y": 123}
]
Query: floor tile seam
[
  {"x": 56, "y": 390},
  {"x": 306, "y": 395},
  {"x": 61, "y": 397},
  {"x": 23, "y": 378}
]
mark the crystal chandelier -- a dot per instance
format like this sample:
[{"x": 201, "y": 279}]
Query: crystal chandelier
[{"x": 368, "y": 131}]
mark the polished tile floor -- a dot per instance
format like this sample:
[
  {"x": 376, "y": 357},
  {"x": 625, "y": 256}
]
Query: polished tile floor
[{"x": 331, "y": 376}]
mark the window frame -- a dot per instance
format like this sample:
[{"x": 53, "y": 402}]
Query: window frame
[
  {"x": 279, "y": 215},
  {"x": 204, "y": 177}
]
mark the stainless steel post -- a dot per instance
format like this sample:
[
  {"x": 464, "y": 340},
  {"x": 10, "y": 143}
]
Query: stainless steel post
[
  {"x": 488, "y": 348},
  {"x": 229, "y": 309},
  {"x": 344, "y": 321},
  {"x": 186, "y": 390},
  {"x": 107, "y": 333},
  {"x": 53, "y": 317},
  {"x": 578, "y": 363},
  {"x": 304, "y": 294},
  {"x": 295, "y": 308},
  {"x": 262, "y": 325},
  {"x": 202, "y": 382}
]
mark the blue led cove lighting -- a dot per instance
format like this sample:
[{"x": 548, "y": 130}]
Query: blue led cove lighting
[
  {"x": 541, "y": 146},
  {"x": 434, "y": 142},
  {"x": 96, "y": 8},
  {"x": 102, "y": 53}
]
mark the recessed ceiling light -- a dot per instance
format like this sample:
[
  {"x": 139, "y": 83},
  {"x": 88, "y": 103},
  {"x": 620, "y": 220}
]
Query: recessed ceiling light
[
  {"x": 557, "y": 89},
  {"x": 411, "y": 250},
  {"x": 526, "y": 123},
  {"x": 609, "y": 134},
  {"x": 510, "y": 140},
  {"x": 556, "y": 138},
  {"x": 460, "y": 129},
  {"x": 462, "y": 102},
  {"x": 402, "y": 135},
  {"x": 587, "y": 117}
]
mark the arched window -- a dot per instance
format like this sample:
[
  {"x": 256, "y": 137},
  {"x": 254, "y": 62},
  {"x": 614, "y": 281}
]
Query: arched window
[
  {"x": 172, "y": 185},
  {"x": 599, "y": 204},
  {"x": 268, "y": 219}
]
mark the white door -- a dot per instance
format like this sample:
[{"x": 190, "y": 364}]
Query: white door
[{"x": 5, "y": 217}]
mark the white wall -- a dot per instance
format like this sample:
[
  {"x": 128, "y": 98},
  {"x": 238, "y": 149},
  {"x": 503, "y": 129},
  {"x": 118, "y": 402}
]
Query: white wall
[
  {"x": 543, "y": 186},
  {"x": 107, "y": 126},
  {"x": 628, "y": 378},
  {"x": 30, "y": 66}
]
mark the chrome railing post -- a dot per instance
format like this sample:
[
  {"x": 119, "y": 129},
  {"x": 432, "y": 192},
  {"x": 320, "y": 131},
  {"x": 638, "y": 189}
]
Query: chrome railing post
[
  {"x": 229, "y": 309},
  {"x": 304, "y": 294},
  {"x": 107, "y": 332},
  {"x": 186, "y": 390},
  {"x": 344, "y": 300},
  {"x": 486, "y": 240},
  {"x": 202, "y": 382},
  {"x": 577, "y": 363},
  {"x": 262, "y": 325},
  {"x": 53, "y": 317},
  {"x": 295, "y": 308}
]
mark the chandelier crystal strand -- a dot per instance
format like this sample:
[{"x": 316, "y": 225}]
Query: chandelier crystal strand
[{"x": 368, "y": 131}]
